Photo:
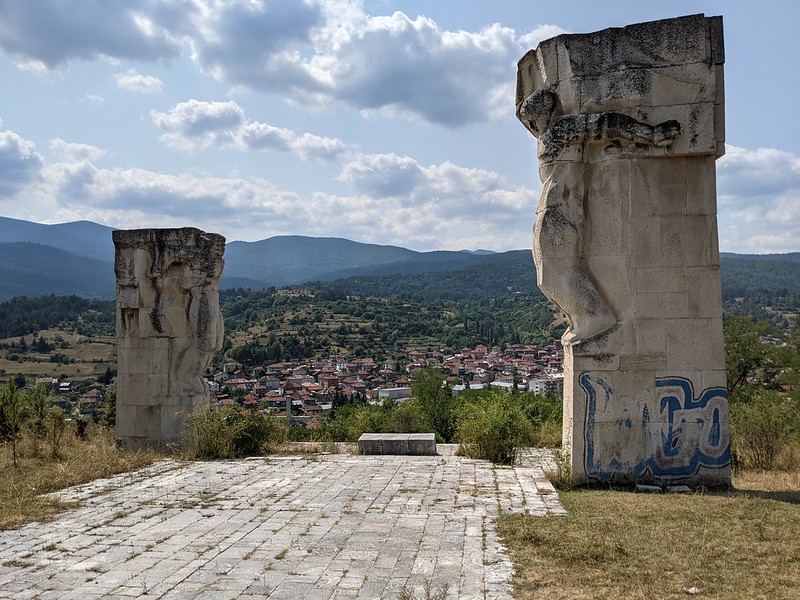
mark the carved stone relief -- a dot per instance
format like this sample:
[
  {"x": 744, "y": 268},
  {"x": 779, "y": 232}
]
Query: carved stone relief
[
  {"x": 628, "y": 124},
  {"x": 169, "y": 327}
]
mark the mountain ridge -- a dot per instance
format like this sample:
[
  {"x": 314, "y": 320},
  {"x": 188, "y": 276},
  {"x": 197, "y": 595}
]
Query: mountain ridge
[{"x": 77, "y": 259}]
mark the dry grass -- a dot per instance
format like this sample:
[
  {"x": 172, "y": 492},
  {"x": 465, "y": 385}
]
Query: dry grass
[
  {"x": 617, "y": 544},
  {"x": 22, "y": 488}
]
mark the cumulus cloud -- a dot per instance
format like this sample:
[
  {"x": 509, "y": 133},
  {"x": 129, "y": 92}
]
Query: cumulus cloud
[
  {"x": 72, "y": 152},
  {"x": 47, "y": 34},
  {"x": 255, "y": 44},
  {"x": 312, "y": 51},
  {"x": 133, "y": 81},
  {"x": 412, "y": 67},
  {"x": 397, "y": 200},
  {"x": 382, "y": 175},
  {"x": 142, "y": 198},
  {"x": 195, "y": 124},
  {"x": 20, "y": 164},
  {"x": 759, "y": 200},
  {"x": 435, "y": 206},
  {"x": 389, "y": 64},
  {"x": 423, "y": 207}
]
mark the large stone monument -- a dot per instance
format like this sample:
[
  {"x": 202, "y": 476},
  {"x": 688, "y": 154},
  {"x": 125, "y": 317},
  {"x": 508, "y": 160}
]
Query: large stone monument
[
  {"x": 629, "y": 122},
  {"x": 168, "y": 328}
]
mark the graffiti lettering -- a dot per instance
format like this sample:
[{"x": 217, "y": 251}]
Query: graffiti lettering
[{"x": 672, "y": 434}]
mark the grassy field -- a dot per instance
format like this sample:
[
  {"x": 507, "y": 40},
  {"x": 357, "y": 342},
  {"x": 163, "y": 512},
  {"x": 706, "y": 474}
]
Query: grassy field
[
  {"x": 91, "y": 356},
  {"x": 617, "y": 544}
]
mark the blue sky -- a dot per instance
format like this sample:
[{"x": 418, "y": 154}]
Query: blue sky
[{"x": 382, "y": 121}]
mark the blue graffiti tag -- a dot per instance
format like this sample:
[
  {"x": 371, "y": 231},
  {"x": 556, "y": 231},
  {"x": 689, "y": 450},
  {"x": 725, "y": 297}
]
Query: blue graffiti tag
[{"x": 679, "y": 434}]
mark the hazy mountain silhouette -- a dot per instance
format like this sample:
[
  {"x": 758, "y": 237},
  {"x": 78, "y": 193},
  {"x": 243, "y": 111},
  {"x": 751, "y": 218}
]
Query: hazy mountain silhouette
[{"x": 78, "y": 258}]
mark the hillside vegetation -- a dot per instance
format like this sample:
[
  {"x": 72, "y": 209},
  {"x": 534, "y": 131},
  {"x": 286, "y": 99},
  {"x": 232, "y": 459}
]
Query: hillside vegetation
[
  {"x": 494, "y": 302},
  {"x": 270, "y": 326}
]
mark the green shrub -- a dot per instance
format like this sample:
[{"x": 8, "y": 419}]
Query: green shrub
[
  {"x": 38, "y": 401},
  {"x": 229, "y": 433},
  {"x": 762, "y": 428},
  {"x": 250, "y": 435},
  {"x": 350, "y": 421},
  {"x": 302, "y": 434},
  {"x": 561, "y": 475},
  {"x": 542, "y": 410},
  {"x": 493, "y": 427},
  {"x": 409, "y": 417},
  {"x": 546, "y": 435},
  {"x": 110, "y": 407},
  {"x": 368, "y": 419},
  {"x": 13, "y": 413},
  {"x": 437, "y": 401}
]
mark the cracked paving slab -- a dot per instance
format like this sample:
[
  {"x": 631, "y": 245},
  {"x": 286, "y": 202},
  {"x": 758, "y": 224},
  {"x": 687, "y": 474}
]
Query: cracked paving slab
[{"x": 316, "y": 526}]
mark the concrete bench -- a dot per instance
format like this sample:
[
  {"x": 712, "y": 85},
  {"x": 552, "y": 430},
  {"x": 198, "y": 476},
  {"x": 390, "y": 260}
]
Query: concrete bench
[{"x": 418, "y": 444}]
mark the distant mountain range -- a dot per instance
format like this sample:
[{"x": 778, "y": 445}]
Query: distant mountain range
[{"x": 78, "y": 258}]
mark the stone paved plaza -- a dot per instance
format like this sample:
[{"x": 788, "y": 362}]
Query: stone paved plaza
[{"x": 313, "y": 526}]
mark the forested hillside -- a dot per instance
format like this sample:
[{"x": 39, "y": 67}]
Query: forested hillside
[
  {"x": 23, "y": 316},
  {"x": 77, "y": 259},
  {"x": 497, "y": 275},
  {"x": 750, "y": 275},
  {"x": 766, "y": 287},
  {"x": 270, "y": 326},
  {"x": 494, "y": 302}
]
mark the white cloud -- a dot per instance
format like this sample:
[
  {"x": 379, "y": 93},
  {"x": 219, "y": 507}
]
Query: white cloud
[
  {"x": 254, "y": 44},
  {"x": 141, "y": 198},
  {"x": 258, "y": 136},
  {"x": 309, "y": 145},
  {"x": 314, "y": 52},
  {"x": 533, "y": 38},
  {"x": 195, "y": 124},
  {"x": 48, "y": 34},
  {"x": 412, "y": 68},
  {"x": 72, "y": 152},
  {"x": 393, "y": 199},
  {"x": 94, "y": 99},
  {"x": 20, "y": 164},
  {"x": 382, "y": 175},
  {"x": 133, "y": 81},
  {"x": 442, "y": 206},
  {"x": 436, "y": 206},
  {"x": 758, "y": 200}
]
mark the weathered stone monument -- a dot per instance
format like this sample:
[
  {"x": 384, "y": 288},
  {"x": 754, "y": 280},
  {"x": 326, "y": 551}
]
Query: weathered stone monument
[
  {"x": 168, "y": 328},
  {"x": 629, "y": 123}
]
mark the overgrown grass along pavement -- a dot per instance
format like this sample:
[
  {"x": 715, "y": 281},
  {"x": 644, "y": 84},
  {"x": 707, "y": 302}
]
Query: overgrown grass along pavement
[
  {"x": 23, "y": 488},
  {"x": 617, "y": 544}
]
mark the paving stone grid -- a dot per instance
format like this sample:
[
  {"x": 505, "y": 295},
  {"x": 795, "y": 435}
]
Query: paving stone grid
[{"x": 314, "y": 526}]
